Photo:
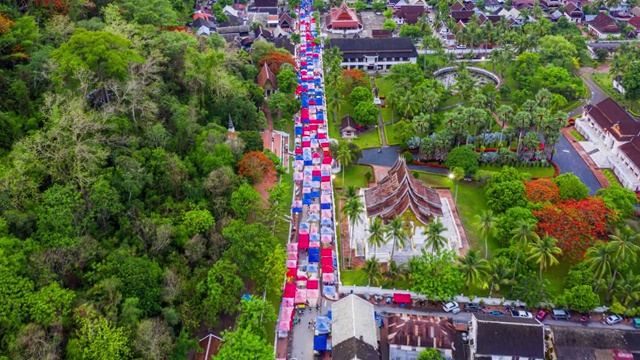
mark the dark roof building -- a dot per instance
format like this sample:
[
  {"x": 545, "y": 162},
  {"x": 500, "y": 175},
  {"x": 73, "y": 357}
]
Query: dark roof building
[
  {"x": 603, "y": 25},
  {"x": 359, "y": 48},
  {"x": 266, "y": 78},
  {"x": 591, "y": 344},
  {"x": 397, "y": 192},
  {"x": 506, "y": 337},
  {"x": 259, "y": 4},
  {"x": 410, "y": 13},
  {"x": 285, "y": 43},
  {"x": 463, "y": 15},
  {"x": 343, "y": 18},
  {"x": 381, "y": 33},
  {"x": 347, "y": 123},
  {"x": 612, "y": 118}
]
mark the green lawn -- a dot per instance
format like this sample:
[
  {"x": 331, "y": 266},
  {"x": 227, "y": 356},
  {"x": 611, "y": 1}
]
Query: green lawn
[
  {"x": 556, "y": 275},
  {"x": 284, "y": 125},
  {"x": 604, "y": 83},
  {"x": 354, "y": 175},
  {"x": 353, "y": 277},
  {"x": 536, "y": 172},
  {"x": 386, "y": 113},
  {"x": 369, "y": 139},
  {"x": 385, "y": 86},
  {"x": 577, "y": 135},
  {"x": 613, "y": 179},
  {"x": 390, "y": 133}
]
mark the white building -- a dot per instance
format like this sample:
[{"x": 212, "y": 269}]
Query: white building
[
  {"x": 375, "y": 54},
  {"x": 615, "y": 134},
  {"x": 354, "y": 332},
  {"x": 617, "y": 84}
]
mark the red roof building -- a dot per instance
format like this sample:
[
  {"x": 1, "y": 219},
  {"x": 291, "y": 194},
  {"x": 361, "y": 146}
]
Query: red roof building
[{"x": 344, "y": 19}]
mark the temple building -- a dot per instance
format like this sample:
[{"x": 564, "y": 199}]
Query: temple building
[
  {"x": 344, "y": 20},
  {"x": 399, "y": 194}
]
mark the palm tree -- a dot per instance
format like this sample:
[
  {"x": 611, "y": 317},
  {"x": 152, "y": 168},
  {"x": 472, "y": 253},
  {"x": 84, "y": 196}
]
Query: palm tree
[
  {"x": 628, "y": 288},
  {"x": 336, "y": 99},
  {"x": 523, "y": 235},
  {"x": 376, "y": 235},
  {"x": 474, "y": 269},
  {"x": 544, "y": 253},
  {"x": 486, "y": 224},
  {"x": 421, "y": 123},
  {"x": 435, "y": 239},
  {"x": 430, "y": 101},
  {"x": 353, "y": 209},
  {"x": 372, "y": 270},
  {"x": 343, "y": 155},
  {"x": 397, "y": 234},
  {"x": 600, "y": 259},
  {"x": 499, "y": 274},
  {"x": 395, "y": 272},
  {"x": 622, "y": 241}
]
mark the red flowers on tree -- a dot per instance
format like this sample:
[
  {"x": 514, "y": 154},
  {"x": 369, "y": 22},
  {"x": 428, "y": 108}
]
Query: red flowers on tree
[
  {"x": 255, "y": 166},
  {"x": 576, "y": 224},
  {"x": 542, "y": 190},
  {"x": 275, "y": 60},
  {"x": 352, "y": 78}
]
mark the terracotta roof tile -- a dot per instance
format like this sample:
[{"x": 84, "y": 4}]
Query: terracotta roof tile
[
  {"x": 614, "y": 119},
  {"x": 604, "y": 24}
]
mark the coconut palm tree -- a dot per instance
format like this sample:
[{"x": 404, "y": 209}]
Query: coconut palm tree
[
  {"x": 395, "y": 272},
  {"x": 344, "y": 157},
  {"x": 623, "y": 243},
  {"x": 430, "y": 102},
  {"x": 336, "y": 99},
  {"x": 474, "y": 269},
  {"x": 499, "y": 274},
  {"x": 523, "y": 235},
  {"x": 353, "y": 209},
  {"x": 421, "y": 123},
  {"x": 544, "y": 252},
  {"x": 397, "y": 233},
  {"x": 376, "y": 235},
  {"x": 486, "y": 225},
  {"x": 600, "y": 258},
  {"x": 435, "y": 239},
  {"x": 628, "y": 288},
  {"x": 372, "y": 270}
]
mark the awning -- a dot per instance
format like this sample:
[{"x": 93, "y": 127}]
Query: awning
[
  {"x": 401, "y": 298},
  {"x": 326, "y": 252},
  {"x": 289, "y": 291},
  {"x": 320, "y": 343}
]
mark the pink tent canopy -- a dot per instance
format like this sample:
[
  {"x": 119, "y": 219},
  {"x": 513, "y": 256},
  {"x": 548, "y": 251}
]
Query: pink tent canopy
[
  {"x": 327, "y": 160},
  {"x": 293, "y": 255},
  {"x": 314, "y": 207},
  {"x": 326, "y": 214},
  {"x": 289, "y": 291},
  {"x": 314, "y": 245},
  {"x": 287, "y": 303},
  {"x": 325, "y": 199},
  {"x": 312, "y": 284},
  {"x": 328, "y": 277},
  {"x": 292, "y": 247},
  {"x": 291, "y": 274},
  {"x": 292, "y": 264},
  {"x": 284, "y": 325},
  {"x": 313, "y": 294},
  {"x": 316, "y": 156},
  {"x": 322, "y": 136},
  {"x": 303, "y": 243},
  {"x": 325, "y": 185},
  {"x": 315, "y": 173},
  {"x": 325, "y": 238},
  {"x": 301, "y": 297},
  {"x": 303, "y": 232}
]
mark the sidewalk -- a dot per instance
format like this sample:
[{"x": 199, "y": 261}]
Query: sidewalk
[{"x": 587, "y": 159}]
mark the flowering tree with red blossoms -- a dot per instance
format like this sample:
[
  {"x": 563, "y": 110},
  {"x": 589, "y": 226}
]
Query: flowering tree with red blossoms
[
  {"x": 542, "y": 190},
  {"x": 576, "y": 224}
]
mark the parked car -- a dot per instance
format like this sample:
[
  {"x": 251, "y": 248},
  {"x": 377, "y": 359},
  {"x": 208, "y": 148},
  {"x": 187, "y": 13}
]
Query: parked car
[
  {"x": 541, "y": 315},
  {"x": 636, "y": 323},
  {"x": 471, "y": 307},
  {"x": 496, "y": 313},
  {"x": 461, "y": 46},
  {"x": 451, "y": 306},
  {"x": 560, "y": 314},
  {"x": 613, "y": 319},
  {"x": 522, "y": 314}
]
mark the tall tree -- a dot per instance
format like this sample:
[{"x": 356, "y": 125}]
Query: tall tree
[
  {"x": 435, "y": 240},
  {"x": 523, "y": 235},
  {"x": 376, "y": 233},
  {"x": 397, "y": 234},
  {"x": 544, "y": 252},
  {"x": 372, "y": 270},
  {"x": 474, "y": 268},
  {"x": 486, "y": 224}
]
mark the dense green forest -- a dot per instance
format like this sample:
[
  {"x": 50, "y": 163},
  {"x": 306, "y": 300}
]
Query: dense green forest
[{"x": 125, "y": 229}]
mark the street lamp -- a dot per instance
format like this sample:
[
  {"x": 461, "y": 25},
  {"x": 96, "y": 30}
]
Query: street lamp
[{"x": 452, "y": 176}]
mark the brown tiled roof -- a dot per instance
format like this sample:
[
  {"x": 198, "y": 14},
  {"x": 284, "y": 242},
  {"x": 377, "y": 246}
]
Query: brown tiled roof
[
  {"x": 265, "y": 3},
  {"x": 613, "y": 118},
  {"x": 635, "y": 22},
  {"x": 381, "y": 33},
  {"x": 410, "y": 13},
  {"x": 572, "y": 8},
  {"x": 286, "y": 19},
  {"x": 347, "y": 121},
  {"x": 604, "y": 24},
  {"x": 461, "y": 15},
  {"x": 632, "y": 150},
  {"x": 420, "y": 330},
  {"x": 457, "y": 6},
  {"x": 266, "y": 75},
  {"x": 398, "y": 191}
]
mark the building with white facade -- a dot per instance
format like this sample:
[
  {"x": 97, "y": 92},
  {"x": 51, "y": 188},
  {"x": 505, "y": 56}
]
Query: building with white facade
[
  {"x": 375, "y": 54},
  {"x": 614, "y": 133}
]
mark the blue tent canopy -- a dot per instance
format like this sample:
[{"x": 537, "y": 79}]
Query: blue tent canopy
[
  {"x": 297, "y": 210},
  {"x": 304, "y": 225},
  {"x": 318, "y": 101},
  {"x": 320, "y": 115},
  {"x": 246, "y": 297},
  {"x": 313, "y": 257},
  {"x": 316, "y": 194},
  {"x": 306, "y": 201},
  {"x": 298, "y": 130},
  {"x": 326, "y": 221},
  {"x": 329, "y": 290},
  {"x": 314, "y": 217},
  {"x": 305, "y": 103},
  {"x": 298, "y": 157},
  {"x": 315, "y": 178},
  {"x": 320, "y": 343},
  {"x": 325, "y": 206},
  {"x": 308, "y": 162},
  {"x": 329, "y": 314},
  {"x": 312, "y": 268},
  {"x": 326, "y": 231},
  {"x": 323, "y": 325},
  {"x": 314, "y": 237}
]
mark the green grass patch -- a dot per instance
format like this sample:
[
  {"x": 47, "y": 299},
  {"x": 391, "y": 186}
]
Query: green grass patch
[
  {"x": 577, "y": 135},
  {"x": 385, "y": 86},
  {"x": 556, "y": 275},
  {"x": 353, "y": 175},
  {"x": 604, "y": 82},
  {"x": 613, "y": 179},
  {"x": 353, "y": 277},
  {"x": 369, "y": 139},
  {"x": 283, "y": 125},
  {"x": 392, "y": 136},
  {"x": 270, "y": 326},
  {"x": 536, "y": 172},
  {"x": 451, "y": 100},
  {"x": 388, "y": 115}
]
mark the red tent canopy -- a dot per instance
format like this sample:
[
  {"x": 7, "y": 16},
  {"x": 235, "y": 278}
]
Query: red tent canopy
[
  {"x": 289, "y": 291},
  {"x": 327, "y": 268},
  {"x": 326, "y": 252},
  {"x": 402, "y": 298},
  {"x": 312, "y": 284},
  {"x": 303, "y": 241}
]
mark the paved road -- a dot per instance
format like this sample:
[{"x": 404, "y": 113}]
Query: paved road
[
  {"x": 465, "y": 317},
  {"x": 568, "y": 159},
  {"x": 388, "y": 155}
]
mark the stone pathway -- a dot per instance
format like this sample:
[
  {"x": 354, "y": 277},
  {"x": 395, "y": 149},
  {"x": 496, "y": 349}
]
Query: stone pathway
[{"x": 383, "y": 136}]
